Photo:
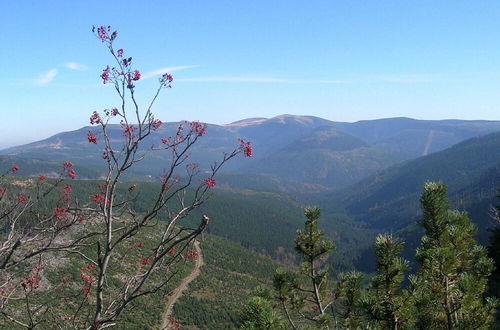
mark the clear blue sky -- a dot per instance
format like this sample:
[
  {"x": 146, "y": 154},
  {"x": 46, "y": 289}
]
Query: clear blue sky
[{"x": 342, "y": 60}]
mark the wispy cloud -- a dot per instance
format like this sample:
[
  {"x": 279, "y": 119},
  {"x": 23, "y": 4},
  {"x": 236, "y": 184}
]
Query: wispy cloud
[
  {"x": 409, "y": 79},
  {"x": 255, "y": 79},
  {"x": 46, "y": 78},
  {"x": 402, "y": 79},
  {"x": 323, "y": 81},
  {"x": 161, "y": 71},
  {"x": 262, "y": 79},
  {"x": 75, "y": 66}
]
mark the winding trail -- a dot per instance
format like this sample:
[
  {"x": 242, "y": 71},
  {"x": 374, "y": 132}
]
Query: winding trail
[{"x": 165, "y": 325}]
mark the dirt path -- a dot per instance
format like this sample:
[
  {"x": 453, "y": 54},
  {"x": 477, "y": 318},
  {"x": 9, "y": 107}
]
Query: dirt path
[{"x": 165, "y": 325}]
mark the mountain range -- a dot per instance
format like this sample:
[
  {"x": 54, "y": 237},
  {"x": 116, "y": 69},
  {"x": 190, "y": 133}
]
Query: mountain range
[
  {"x": 366, "y": 176},
  {"x": 300, "y": 149}
]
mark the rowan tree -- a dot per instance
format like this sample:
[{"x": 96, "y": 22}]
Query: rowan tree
[{"x": 110, "y": 267}]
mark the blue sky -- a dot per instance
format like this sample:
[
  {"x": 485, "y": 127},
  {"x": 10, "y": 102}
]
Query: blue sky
[{"x": 340, "y": 60}]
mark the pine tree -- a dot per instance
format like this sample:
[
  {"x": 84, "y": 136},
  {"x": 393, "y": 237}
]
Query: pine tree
[
  {"x": 494, "y": 253},
  {"x": 347, "y": 295},
  {"x": 286, "y": 284},
  {"x": 259, "y": 314},
  {"x": 386, "y": 303},
  {"x": 310, "y": 296},
  {"x": 314, "y": 250},
  {"x": 306, "y": 296},
  {"x": 452, "y": 279}
]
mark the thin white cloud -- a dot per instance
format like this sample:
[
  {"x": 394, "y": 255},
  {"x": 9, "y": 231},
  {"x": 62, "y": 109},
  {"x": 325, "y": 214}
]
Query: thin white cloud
[
  {"x": 358, "y": 80},
  {"x": 161, "y": 71},
  {"x": 262, "y": 79},
  {"x": 46, "y": 78},
  {"x": 256, "y": 79},
  {"x": 404, "y": 79},
  {"x": 75, "y": 66},
  {"x": 323, "y": 81}
]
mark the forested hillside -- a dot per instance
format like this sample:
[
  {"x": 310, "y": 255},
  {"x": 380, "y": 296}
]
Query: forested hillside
[
  {"x": 263, "y": 212},
  {"x": 388, "y": 201},
  {"x": 379, "y": 199},
  {"x": 230, "y": 269}
]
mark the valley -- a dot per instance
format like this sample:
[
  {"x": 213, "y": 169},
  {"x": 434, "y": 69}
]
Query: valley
[{"x": 366, "y": 177}]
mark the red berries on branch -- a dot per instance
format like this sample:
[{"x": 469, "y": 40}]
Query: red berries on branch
[
  {"x": 22, "y": 199},
  {"x": 156, "y": 124},
  {"x": 60, "y": 213},
  {"x": 192, "y": 255},
  {"x": 198, "y": 128},
  {"x": 95, "y": 118},
  {"x": 105, "y": 75},
  {"x": 246, "y": 148},
  {"x": 210, "y": 182},
  {"x": 92, "y": 138},
  {"x": 72, "y": 174}
]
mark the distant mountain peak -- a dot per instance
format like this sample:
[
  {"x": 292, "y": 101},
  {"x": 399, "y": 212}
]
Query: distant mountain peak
[
  {"x": 301, "y": 119},
  {"x": 246, "y": 122},
  {"x": 280, "y": 119}
]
